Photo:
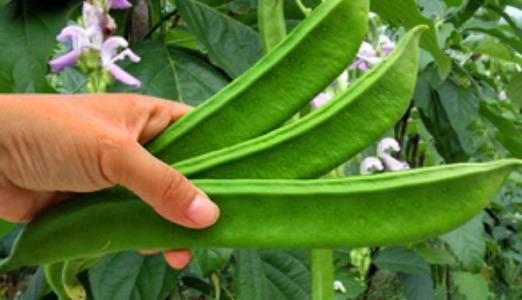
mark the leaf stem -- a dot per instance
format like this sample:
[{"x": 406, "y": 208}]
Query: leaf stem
[{"x": 306, "y": 10}]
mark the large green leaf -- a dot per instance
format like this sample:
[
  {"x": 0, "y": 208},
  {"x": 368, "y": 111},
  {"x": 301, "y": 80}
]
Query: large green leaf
[
  {"x": 210, "y": 260},
  {"x": 231, "y": 45},
  {"x": 173, "y": 73},
  {"x": 37, "y": 287},
  {"x": 405, "y": 13},
  {"x": 417, "y": 286},
  {"x": 28, "y": 32},
  {"x": 508, "y": 133},
  {"x": 436, "y": 256},
  {"x": 467, "y": 243},
  {"x": 493, "y": 47},
  {"x": 461, "y": 106},
  {"x": 130, "y": 275},
  {"x": 272, "y": 275},
  {"x": 397, "y": 259},
  {"x": 472, "y": 286},
  {"x": 503, "y": 33},
  {"x": 434, "y": 117}
]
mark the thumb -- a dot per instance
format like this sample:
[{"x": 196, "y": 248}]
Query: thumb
[{"x": 170, "y": 194}]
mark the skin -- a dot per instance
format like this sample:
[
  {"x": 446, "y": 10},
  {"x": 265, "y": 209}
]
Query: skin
[{"x": 52, "y": 146}]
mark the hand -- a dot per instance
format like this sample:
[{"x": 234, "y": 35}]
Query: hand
[{"x": 52, "y": 145}]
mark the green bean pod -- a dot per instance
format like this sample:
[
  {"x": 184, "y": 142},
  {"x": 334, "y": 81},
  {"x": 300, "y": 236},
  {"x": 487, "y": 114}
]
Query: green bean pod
[
  {"x": 271, "y": 22},
  {"x": 281, "y": 82},
  {"x": 324, "y": 139},
  {"x": 384, "y": 209}
]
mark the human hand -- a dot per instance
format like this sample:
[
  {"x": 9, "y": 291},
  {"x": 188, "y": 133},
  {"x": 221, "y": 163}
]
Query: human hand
[{"x": 53, "y": 145}]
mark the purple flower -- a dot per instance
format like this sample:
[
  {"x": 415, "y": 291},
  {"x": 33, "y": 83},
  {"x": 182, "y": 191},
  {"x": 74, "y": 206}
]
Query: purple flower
[
  {"x": 81, "y": 39},
  {"x": 68, "y": 60},
  {"x": 368, "y": 57},
  {"x": 109, "y": 57},
  {"x": 320, "y": 100},
  {"x": 120, "y": 4}
]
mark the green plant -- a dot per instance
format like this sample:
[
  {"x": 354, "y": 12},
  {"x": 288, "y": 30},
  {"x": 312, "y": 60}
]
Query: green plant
[{"x": 465, "y": 108}]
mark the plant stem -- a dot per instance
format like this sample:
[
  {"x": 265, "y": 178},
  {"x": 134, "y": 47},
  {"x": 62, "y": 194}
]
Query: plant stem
[
  {"x": 215, "y": 283},
  {"x": 322, "y": 274},
  {"x": 306, "y": 11},
  {"x": 271, "y": 22},
  {"x": 161, "y": 22}
]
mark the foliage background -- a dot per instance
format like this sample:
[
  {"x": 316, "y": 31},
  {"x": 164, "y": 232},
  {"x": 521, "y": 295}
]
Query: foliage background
[{"x": 467, "y": 107}]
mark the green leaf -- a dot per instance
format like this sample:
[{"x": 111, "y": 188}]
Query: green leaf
[
  {"x": 272, "y": 275},
  {"x": 172, "y": 73},
  {"x": 472, "y": 286},
  {"x": 467, "y": 243},
  {"x": 508, "y": 133},
  {"x": 493, "y": 47},
  {"x": 231, "y": 45},
  {"x": 211, "y": 260},
  {"x": 37, "y": 287},
  {"x": 461, "y": 106},
  {"x": 436, "y": 256},
  {"x": 130, "y": 275},
  {"x": 514, "y": 89},
  {"x": 397, "y": 259},
  {"x": 405, "y": 13},
  {"x": 70, "y": 81},
  {"x": 502, "y": 33},
  {"x": 417, "y": 286},
  {"x": 28, "y": 32},
  {"x": 436, "y": 120}
]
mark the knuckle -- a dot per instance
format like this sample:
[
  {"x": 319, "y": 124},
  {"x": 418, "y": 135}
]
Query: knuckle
[
  {"x": 174, "y": 191},
  {"x": 110, "y": 148}
]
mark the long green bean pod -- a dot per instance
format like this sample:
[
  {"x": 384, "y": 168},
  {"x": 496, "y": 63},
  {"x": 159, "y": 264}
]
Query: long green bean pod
[
  {"x": 324, "y": 139},
  {"x": 384, "y": 209},
  {"x": 281, "y": 82}
]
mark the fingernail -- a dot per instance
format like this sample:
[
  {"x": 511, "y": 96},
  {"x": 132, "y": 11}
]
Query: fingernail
[{"x": 202, "y": 211}]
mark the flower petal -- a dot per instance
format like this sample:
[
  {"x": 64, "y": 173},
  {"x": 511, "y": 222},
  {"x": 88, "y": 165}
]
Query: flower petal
[
  {"x": 109, "y": 47},
  {"x": 92, "y": 14},
  {"x": 123, "y": 76},
  {"x": 127, "y": 53},
  {"x": 68, "y": 60},
  {"x": 392, "y": 164},
  {"x": 361, "y": 65},
  {"x": 70, "y": 32},
  {"x": 370, "y": 165},
  {"x": 120, "y": 4},
  {"x": 320, "y": 100},
  {"x": 387, "y": 145}
]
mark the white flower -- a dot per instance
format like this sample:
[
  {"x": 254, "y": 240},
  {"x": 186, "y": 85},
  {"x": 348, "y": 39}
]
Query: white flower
[
  {"x": 339, "y": 286},
  {"x": 370, "y": 165},
  {"x": 392, "y": 164},
  {"x": 388, "y": 145},
  {"x": 502, "y": 96},
  {"x": 384, "y": 149}
]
